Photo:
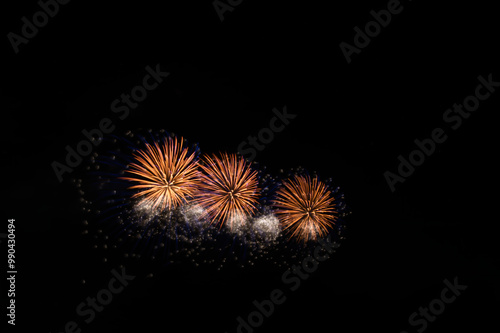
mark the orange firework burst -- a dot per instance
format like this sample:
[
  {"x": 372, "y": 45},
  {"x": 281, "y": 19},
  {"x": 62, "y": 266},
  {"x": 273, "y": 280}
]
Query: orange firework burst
[
  {"x": 228, "y": 190},
  {"x": 166, "y": 174},
  {"x": 305, "y": 207}
]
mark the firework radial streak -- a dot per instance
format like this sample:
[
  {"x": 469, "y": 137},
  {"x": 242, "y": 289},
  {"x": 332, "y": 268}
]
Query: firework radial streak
[
  {"x": 166, "y": 174},
  {"x": 228, "y": 190},
  {"x": 305, "y": 208}
]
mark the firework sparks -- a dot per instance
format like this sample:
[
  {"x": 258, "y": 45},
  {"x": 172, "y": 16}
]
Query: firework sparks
[
  {"x": 228, "y": 189},
  {"x": 305, "y": 208},
  {"x": 166, "y": 174}
]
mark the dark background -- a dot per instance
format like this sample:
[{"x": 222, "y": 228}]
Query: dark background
[{"x": 353, "y": 120}]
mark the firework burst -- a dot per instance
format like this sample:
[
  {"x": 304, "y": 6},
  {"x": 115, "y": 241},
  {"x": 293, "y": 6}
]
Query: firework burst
[
  {"x": 228, "y": 189},
  {"x": 166, "y": 174},
  {"x": 305, "y": 208}
]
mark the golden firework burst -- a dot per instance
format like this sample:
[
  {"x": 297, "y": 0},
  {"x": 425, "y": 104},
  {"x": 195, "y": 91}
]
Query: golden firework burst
[
  {"x": 305, "y": 208},
  {"x": 166, "y": 174},
  {"x": 228, "y": 189}
]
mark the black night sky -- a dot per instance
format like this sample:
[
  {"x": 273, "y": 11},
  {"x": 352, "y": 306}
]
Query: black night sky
[{"x": 352, "y": 122}]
